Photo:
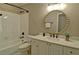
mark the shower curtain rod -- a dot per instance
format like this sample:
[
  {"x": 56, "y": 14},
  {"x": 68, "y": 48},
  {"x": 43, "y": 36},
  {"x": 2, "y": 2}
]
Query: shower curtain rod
[{"x": 16, "y": 7}]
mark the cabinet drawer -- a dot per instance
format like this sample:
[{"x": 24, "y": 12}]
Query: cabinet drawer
[
  {"x": 71, "y": 51},
  {"x": 38, "y": 42}
]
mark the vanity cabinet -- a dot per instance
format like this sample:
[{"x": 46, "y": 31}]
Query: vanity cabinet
[
  {"x": 44, "y": 48},
  {"x": 55, "y": 49},
  {"x": 34, "y": 47},
  {"x": 39, "y": 47},
  {"x": 71, "y": 51}
]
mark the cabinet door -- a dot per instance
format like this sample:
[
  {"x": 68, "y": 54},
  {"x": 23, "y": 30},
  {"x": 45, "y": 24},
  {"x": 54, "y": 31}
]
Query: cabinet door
[
  {"x": 71, "y": 51},
  {"x": 43, "y": 48},
  {"x": 76, "y": 51},
  {"x": 55, "y": 49},
  {"x": 39, "y": 47},
  {"x": 34, "y": 47},
  {"x": 58, "y": 50},
  {"x": 51, "y": 49}
]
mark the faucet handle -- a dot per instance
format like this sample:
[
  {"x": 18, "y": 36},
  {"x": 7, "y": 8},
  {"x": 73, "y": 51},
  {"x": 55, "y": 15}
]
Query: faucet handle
[
  {"x": 53, "y": 35},
  {"x": 50, "y": 34},
  {"x": 56, "y": 35},
  {"x": 21, "y": 37}
]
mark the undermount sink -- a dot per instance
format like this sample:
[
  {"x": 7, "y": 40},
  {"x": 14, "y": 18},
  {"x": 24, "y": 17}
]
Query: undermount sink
[{"x": 60, "y": 39}]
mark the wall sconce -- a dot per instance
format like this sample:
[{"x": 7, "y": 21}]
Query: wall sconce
[{"x": 56, "y": 6}]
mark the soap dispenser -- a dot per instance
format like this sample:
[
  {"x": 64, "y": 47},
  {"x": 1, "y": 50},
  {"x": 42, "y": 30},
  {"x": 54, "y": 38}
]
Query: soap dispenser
[
  {"x": 67, "y": 36},
  {"x": 43, "y": 34}
]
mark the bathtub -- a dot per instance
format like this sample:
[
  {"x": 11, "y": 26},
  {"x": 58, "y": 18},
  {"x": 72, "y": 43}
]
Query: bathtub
[{"x": 10, "y": 47}]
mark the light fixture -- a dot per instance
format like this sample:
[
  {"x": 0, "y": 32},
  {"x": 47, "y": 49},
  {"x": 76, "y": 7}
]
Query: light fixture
[
  {"x": 5, "y": 17},
  {"x": 57, "y": 6}
]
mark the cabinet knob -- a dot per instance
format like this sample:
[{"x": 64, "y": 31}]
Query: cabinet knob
[{"x": 70, "y": 51}]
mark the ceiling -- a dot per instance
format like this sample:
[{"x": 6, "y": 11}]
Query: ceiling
[
  {"x": 16, "y": 4},
  {"x": 5, "y": 7},
  {"x": 19, "y": 4}
]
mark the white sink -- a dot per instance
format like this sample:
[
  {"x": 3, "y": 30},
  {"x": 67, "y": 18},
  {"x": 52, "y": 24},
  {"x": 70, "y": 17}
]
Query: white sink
[{"x": 61, "y": 39}]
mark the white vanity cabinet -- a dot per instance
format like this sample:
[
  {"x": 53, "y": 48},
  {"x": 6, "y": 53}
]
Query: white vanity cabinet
[
  {"x": 34, "y": 47},
  {"x": 71, "y": 51},
  {"x": 55, "y": 49},
  {"x": 39, "y": 47},
  {"x": 44, "y": 48}
]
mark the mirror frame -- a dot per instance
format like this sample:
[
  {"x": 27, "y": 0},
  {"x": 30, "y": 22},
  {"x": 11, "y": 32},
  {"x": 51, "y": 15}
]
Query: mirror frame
[{"x": 66, "y": 26}]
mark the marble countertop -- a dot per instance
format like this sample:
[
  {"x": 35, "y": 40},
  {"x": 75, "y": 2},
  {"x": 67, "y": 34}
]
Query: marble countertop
[{"x": 59, "y": 41}]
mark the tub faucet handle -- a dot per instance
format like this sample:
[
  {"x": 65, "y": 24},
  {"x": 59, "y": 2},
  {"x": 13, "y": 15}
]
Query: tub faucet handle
[{"x": 21, "y": 37}]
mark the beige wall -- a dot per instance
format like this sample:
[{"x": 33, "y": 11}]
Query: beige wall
[
  {"x": 72, "y": 11},
  {"x": 8, "y": 8},
  {"x": 38, "y": 11}
]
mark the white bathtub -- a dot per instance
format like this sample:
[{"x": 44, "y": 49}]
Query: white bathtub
[{"x": 9, "y": 48}]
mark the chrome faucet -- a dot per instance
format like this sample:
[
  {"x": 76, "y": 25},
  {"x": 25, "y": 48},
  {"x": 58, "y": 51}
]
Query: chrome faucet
[{"x": 54, "y": 35}]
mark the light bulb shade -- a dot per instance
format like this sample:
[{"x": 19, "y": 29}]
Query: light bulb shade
[{"x": 56, "y": 7}]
